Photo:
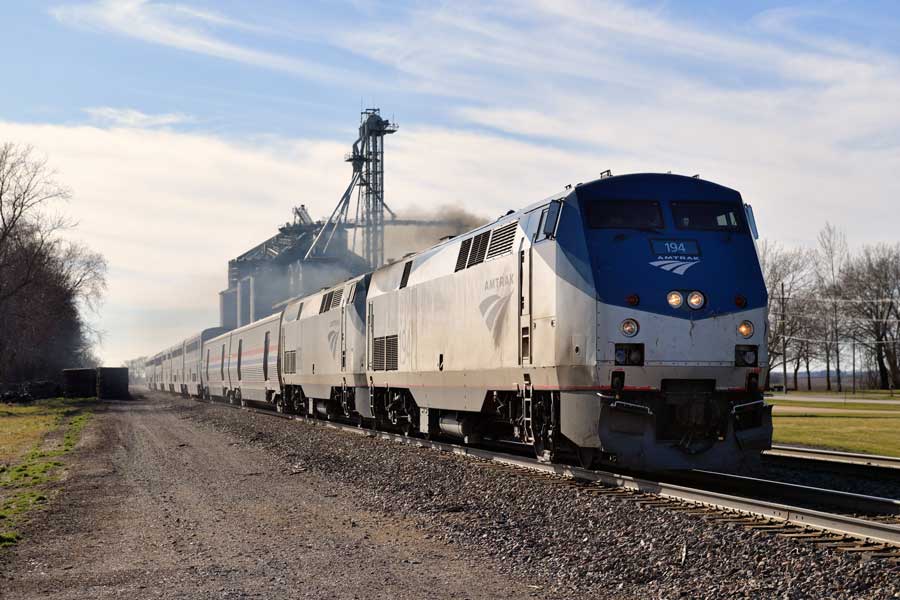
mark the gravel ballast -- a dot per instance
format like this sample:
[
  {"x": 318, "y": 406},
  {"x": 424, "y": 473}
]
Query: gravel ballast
[{"x": 560, "y": 538}]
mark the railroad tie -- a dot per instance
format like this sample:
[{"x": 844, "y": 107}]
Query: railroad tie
[
  {"x": 865, "y": 547},
  {"x": 608, "y": 492},
  {"x": 812, "y": 536},
  {"x": 890, "y": 554},
  {"x": 689, "y": 509},
  {"x": 737, "y": 520},
  {"x": 775, "y": 527},
  {"x": 655, "y": 503},
  {"x": 840, "y": 545}
]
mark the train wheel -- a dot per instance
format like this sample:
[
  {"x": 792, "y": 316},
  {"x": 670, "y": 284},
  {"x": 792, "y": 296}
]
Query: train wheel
[
  {"x": 299, "y": 402},
  {"x": 544, "y": 424}
]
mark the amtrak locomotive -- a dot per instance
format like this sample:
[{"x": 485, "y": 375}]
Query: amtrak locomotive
[{"x": 620, "y": 321}]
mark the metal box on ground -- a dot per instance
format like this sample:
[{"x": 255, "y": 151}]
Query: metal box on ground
[
  {"x": 79, "y": 383},
  {"x": 112, "y": 383}
]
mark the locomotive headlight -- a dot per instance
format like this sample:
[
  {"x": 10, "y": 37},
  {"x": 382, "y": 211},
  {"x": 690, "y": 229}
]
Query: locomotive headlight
[
  {"x": 629, "y": 327},
  {"x": 675, "y": 299},
  {"x": 696, "y": 300},
  {"x": 745, "y": 329}
]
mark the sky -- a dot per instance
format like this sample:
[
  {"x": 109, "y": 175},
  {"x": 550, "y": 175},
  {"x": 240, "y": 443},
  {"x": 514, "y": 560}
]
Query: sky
[{"x": 188, "y": 130}]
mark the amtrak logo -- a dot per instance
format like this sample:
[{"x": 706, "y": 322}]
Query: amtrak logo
[
  {"x": 679, "y": 267},
  {"x": 333, "y": 335},
  {"x": 493, "y": 308}
]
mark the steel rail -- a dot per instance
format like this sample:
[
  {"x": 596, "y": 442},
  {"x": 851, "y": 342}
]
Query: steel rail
[
  {"x": 750, "y": 486},
  {"x": 871, "y": 531},
  {"x": 850, "y": 458}
]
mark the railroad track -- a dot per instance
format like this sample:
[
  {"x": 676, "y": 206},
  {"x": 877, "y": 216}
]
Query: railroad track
[
  {"x": 848, "y": 462},
  {"x": 844, "y": 532},
  {"x": 853, "y": 504}
]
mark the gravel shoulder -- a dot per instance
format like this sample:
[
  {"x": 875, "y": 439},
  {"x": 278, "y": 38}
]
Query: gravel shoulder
[
  {"x": 159, "y": 507},
  {"x": 180, "y": 499}
]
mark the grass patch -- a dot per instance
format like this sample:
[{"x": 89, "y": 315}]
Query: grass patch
[
  {"x": 24, "y": 426},
  {"x": 895, "y": 408},
  {"x": 872, "y": 434},
  {"x": 860, "y": 394},
  {"x": 51, "y": 429}
]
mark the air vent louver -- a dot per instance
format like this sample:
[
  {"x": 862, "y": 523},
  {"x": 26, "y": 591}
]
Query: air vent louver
[
  {"x": 407, "y": 268},
  {"x": 463, "y": 255},
  {"x": 378, "y": 354},
  {"x": 390, "y": 352},
  {"x": 479, "y": 248},
  {"x": 502, "y": 240},
  {"x": 336, "y": 300},
  {"x": 326, "y": 302}
]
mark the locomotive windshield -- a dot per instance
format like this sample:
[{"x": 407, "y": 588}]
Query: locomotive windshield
[
  {"x": 624, "y": 214},
  {"x": 712, "y": 216}
]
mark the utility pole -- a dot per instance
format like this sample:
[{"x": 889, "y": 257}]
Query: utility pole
[
  {"x": 837, "y": 345},
  {"x": 783, "y": 340},
  {"x": 853, "y": 347}
]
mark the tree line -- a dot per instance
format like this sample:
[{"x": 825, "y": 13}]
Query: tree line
[
  {"x": 834, "y": 308},
  {"x": 46, "y": 281}
]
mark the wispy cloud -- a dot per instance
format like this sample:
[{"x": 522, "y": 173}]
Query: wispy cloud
[
  {"x": 188, "y": 29},
  {"x": 770, "y": 106},
  {"x": 129, "y": 117},
  {"x": 530, "y": 95}
]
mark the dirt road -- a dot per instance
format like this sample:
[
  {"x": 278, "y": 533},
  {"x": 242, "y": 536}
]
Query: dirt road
[{"x": 158, "y": 507}]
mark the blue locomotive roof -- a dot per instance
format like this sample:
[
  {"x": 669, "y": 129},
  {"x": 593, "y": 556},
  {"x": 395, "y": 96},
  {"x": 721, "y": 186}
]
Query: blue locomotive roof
[{"x": 649, "y": 233}]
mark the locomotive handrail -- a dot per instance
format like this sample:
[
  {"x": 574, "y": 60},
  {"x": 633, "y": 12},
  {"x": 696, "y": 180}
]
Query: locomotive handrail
[
  {"x": 734, "y": 409},
  {"x": 633, "y": 408}
]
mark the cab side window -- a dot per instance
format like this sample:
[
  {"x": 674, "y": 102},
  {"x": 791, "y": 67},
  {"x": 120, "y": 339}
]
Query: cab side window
[{"x": 548, "y": 221}]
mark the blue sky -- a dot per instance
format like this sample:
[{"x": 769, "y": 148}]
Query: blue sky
[{"x": 189, "y": 129}]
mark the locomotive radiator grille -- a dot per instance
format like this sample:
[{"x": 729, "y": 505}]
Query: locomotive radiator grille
[{"x": 385, "y": 353}]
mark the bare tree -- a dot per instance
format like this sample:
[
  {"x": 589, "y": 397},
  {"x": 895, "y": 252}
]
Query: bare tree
[
  {"x": 27, "y": 188},
  {"x": 872, "y": 278},
  {"x": 786, "y": 269},
  {"x": 45, "y": 282},
  {"x": 831, "y": 259}
]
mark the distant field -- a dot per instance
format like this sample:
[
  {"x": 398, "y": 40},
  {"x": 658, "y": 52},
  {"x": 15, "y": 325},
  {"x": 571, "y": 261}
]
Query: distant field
[{"x": 825, "y": 425}]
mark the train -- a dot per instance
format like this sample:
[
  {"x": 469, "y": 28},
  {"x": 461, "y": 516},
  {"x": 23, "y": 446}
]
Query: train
[{"x": 618, "y": 322}]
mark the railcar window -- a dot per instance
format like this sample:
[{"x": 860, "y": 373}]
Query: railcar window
[
  {"x": 240, "y": 348},
  {"x": 266, "y": 358},
  {"x": 624, "y": 214},
  {"x": 714, "y": 216}
]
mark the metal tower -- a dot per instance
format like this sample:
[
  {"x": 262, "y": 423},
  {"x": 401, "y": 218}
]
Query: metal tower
[
  {"x": 370, "y": 160},
  {"x": 367, "y": 160}
]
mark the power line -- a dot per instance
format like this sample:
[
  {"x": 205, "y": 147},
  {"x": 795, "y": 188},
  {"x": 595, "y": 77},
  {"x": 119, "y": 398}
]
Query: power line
[
  {"x": 818, "y": 316},
  {"x": 833, "y": 342}
]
